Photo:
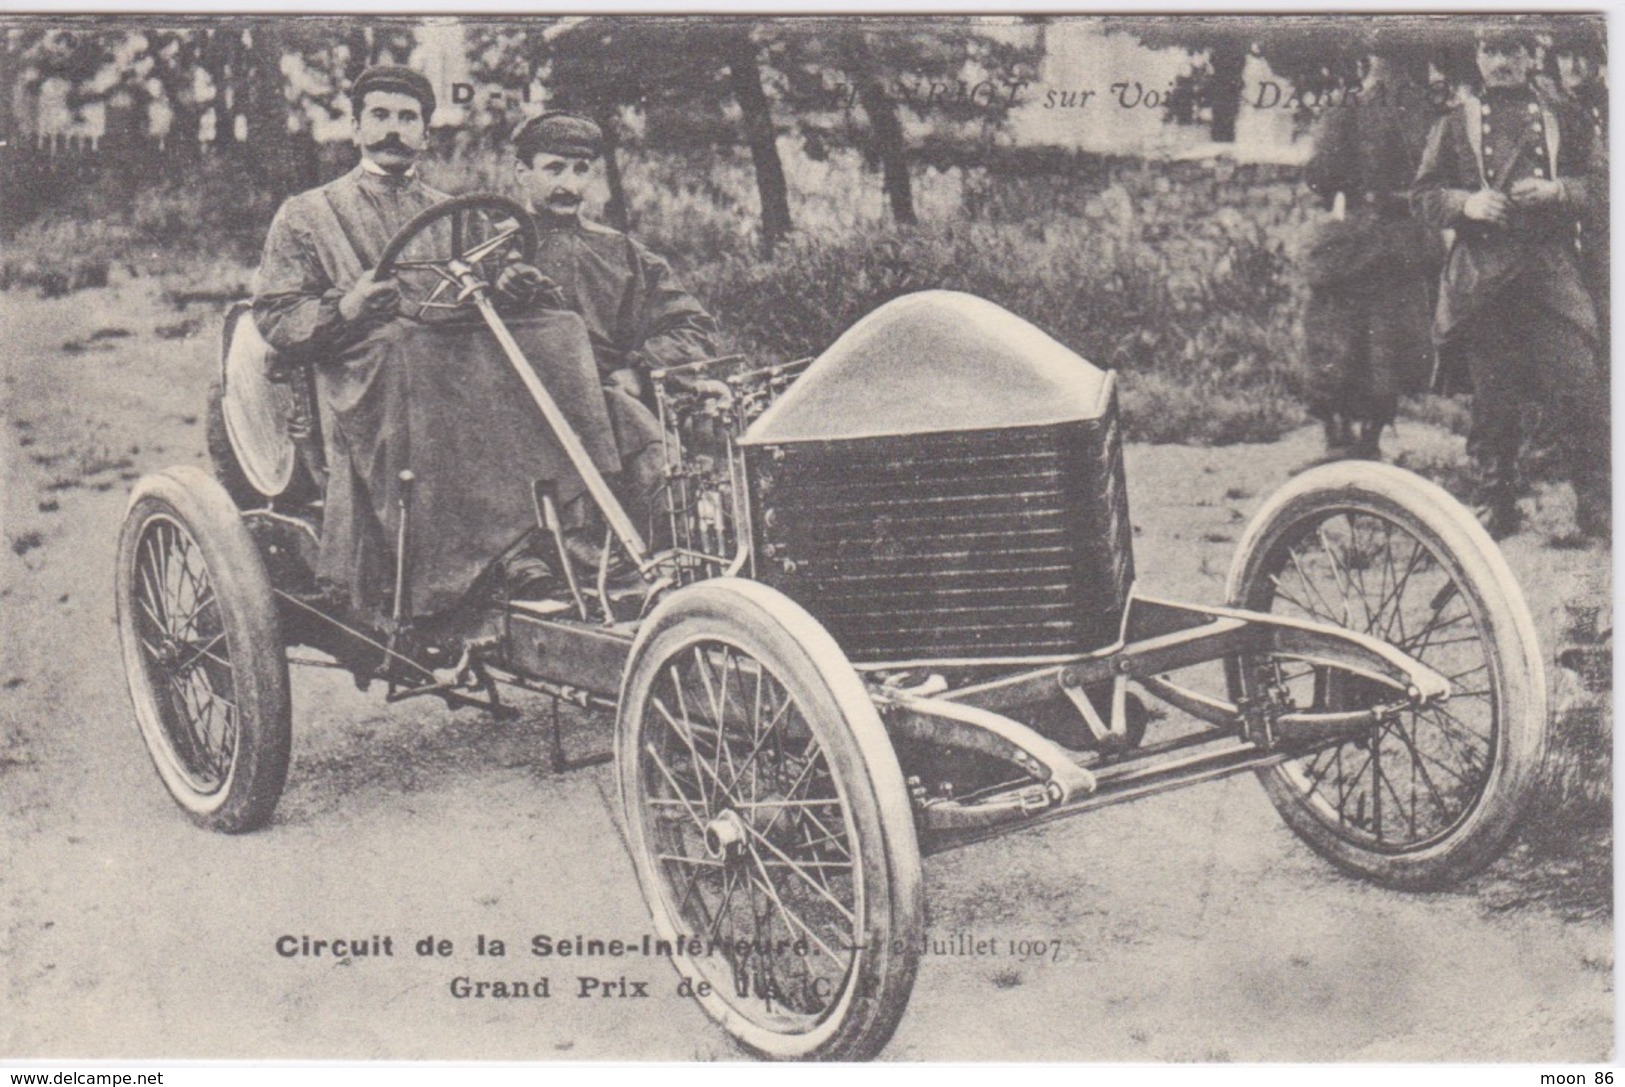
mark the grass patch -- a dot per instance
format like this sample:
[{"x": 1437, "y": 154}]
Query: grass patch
[
  {"x": 1564, "y": 853},
  {"x": 1161, "y": 408}
]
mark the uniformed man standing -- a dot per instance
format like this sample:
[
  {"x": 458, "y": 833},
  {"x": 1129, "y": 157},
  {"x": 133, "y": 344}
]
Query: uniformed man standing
[
  {"x": 1509, "y": 172},
  {"x": 1369, "y": 268}
]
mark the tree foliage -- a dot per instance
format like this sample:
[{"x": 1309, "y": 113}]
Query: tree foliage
[
  {"x": 1317, "y": 56},
  {"x": 255, "y": 86}
]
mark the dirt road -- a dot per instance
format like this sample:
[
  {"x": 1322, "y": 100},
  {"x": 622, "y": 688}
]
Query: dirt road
[{"x": 1188, "y": 927}]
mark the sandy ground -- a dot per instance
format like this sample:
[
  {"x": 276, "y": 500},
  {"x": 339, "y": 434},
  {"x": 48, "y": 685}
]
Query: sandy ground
[{"x": 1192, "y": 927}]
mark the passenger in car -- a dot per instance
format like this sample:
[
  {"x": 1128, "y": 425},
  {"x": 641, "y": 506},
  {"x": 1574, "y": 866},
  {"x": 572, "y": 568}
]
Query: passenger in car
[{"x": 638, "y": 315}]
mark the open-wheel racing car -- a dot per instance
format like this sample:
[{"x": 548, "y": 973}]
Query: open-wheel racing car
[{"x": 892, "y": 610}]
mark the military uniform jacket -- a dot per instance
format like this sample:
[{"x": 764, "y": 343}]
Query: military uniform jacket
[{"x": 1475, "y": 146}]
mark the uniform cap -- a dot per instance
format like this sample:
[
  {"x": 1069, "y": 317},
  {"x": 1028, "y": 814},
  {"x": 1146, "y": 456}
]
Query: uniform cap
[{"x": 1585, "y": 40}]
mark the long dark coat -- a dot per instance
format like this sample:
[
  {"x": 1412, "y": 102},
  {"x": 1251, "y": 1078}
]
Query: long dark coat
[{"x": 1370, "y": 272}]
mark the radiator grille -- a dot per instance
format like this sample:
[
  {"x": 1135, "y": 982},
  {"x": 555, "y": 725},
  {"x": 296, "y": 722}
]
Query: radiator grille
[{"x": 968, "y": 545}]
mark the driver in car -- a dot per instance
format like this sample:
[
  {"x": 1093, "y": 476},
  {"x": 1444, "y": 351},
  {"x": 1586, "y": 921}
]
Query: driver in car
[
  {"x": 426, "y": 429},
  {"x": 315, "y": 290}
]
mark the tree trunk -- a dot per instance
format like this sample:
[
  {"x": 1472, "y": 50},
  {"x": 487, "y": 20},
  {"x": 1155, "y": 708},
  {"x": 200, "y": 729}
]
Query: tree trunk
[
  {"x": 269, "y": 150},
  {"x": 616, "y": 210},
  {"x": 358, "y": 51},
  {"x": 215, "y": 57},
  {"x": 1225, "y": 88},
  {"x": 125, "y": 152},
  {"x": 181, "y": 142},
  {"x": 745, "y": 75},
  {"x": 886, "y": 132},
  {"x": 17, "y": 207},
  {"x": 8, "y": 87}
]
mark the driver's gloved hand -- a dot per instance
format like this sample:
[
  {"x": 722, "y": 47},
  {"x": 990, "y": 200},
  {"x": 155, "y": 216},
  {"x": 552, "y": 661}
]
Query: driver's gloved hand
[
  {"x": 371, "y": 297},
  {"x": 525, "y": 284}
]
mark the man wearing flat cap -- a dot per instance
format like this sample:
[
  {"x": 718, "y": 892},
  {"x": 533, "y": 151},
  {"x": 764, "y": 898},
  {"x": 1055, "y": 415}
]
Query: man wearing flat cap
[
  {"x": 1509, "y": 171},
  {"x": 639, "y": 318},
  {"x": 637, "y": 313},
  {"x": 316, "y": 300}
]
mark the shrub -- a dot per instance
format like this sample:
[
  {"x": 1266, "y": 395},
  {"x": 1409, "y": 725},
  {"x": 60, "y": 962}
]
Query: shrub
[
  {"x": 58, "y": 255},
  {"x": 1197, "y": 306}
]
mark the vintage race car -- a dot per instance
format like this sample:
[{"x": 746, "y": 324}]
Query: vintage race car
[{"x": 893, "y": 611}]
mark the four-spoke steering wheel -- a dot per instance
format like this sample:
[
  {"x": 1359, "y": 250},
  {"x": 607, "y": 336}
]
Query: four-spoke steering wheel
[{"x": 481, "y": 231}]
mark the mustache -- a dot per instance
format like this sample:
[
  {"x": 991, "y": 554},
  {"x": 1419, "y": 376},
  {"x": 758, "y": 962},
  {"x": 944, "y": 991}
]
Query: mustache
[
  {"x": 391, "y": 142},
  {"x": 561, "y": 197}
]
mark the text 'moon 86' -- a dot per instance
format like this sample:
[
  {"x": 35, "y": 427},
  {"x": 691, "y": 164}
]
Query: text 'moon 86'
[{"x": 884, "y": 606}]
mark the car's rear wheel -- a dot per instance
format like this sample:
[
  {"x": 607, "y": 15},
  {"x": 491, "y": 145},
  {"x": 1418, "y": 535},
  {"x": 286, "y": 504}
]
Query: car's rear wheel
[
  {"x": 203, "y": 652},
  {"x": 768, "y": 823},
  {"x": 1433, "y": 794}
]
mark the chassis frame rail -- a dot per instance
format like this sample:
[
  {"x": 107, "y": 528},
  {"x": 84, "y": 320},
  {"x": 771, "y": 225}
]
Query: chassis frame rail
[{"x": 1158, "y": 637}]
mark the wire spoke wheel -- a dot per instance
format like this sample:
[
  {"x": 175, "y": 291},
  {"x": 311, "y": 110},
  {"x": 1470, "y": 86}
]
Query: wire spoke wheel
[
  {"x": 202, "y": 650},
  {"x": 182, "y": 642},
  {"x": 768, "y": 823},
  {"x": 1428, "y": 794}
]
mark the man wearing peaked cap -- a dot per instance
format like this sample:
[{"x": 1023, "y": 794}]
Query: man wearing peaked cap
[
  {"x": 638, "y": 317},
  {"x": 1510, "y": 172},
  {"x": 1581, "y": 53},
  {"x": 397, "y": 79}
]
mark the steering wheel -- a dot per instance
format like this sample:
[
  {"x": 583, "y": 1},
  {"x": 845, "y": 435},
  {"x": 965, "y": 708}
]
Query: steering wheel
[{"x": 482, "y": 230}]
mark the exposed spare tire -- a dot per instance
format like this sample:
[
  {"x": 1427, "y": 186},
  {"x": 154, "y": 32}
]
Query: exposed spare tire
[{"x": 246, "y": 422}]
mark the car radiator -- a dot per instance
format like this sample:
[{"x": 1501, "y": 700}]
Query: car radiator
[{"x": 963, "y": 546}]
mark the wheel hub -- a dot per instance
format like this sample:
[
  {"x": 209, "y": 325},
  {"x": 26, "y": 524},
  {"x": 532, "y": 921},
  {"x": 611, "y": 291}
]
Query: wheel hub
[
  {"x": 169, "y": 652},
  {"x": 724, "y": 834}
]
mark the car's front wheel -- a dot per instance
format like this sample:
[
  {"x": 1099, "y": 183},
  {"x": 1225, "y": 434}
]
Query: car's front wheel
[
  {"x": 1431, "y": 794},
  {"x": 768, "y": 823}
]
